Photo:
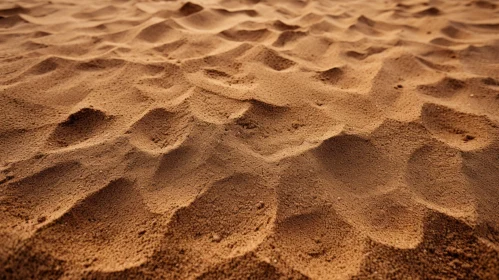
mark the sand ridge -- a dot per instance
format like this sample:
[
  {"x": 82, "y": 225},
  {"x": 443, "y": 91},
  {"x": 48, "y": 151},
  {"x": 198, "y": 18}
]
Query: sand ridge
[{"x": 250, "y": 139}]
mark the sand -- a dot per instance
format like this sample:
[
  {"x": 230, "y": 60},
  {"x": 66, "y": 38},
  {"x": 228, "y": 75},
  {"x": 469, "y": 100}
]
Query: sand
[{"x": 249, "y": 139}]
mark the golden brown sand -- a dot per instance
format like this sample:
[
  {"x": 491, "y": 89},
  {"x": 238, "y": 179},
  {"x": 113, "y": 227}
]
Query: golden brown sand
[{"x": 251, "y": 139}]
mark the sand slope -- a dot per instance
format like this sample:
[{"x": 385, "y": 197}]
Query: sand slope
[{"x": 249, "y": 139}]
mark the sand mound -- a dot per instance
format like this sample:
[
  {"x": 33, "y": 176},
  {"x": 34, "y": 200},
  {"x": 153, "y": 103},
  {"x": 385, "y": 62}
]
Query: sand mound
[{"x": 250, "y": 139}]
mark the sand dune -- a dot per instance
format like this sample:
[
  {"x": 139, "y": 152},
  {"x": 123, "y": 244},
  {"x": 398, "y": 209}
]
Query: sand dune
[{"x": 249, "y": 139}]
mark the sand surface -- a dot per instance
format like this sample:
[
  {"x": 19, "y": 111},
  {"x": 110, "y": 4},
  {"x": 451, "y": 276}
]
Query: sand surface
[{"x": 248, "y": 139}]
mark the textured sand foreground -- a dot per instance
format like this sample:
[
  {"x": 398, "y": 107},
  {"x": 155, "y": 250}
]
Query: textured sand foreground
[{"x": 249, "y": 139}]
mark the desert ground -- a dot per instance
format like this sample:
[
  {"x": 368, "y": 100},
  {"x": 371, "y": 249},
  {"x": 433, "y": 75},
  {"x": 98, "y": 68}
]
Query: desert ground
[{"x": 249, "y": 139}]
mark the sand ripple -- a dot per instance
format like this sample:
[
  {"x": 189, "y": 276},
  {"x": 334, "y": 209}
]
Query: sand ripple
[{"x": 249, "y": 139}]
